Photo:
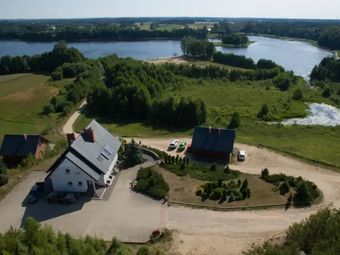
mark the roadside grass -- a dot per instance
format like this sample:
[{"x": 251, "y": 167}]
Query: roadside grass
[
  {"x": 183, "y": 189},
  {"x": 22, "y": 97}
]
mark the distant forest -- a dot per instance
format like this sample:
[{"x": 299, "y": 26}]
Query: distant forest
[{"x": 325, "y": 32}]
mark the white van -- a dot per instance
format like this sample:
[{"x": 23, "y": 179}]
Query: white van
[{"x": 241, "y": 156}]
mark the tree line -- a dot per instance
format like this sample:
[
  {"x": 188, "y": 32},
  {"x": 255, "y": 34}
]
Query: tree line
[
  {"x": 34, "y": 238},
  {"x": 46, "y": 62},
  {"x": 326, "y": 34},
  {"x": 105, "y": 31}
]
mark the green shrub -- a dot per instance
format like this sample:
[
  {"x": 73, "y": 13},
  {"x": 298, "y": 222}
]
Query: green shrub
[
  {"x": 303, "y": 194},
  {"x": 264, "y": 173},
  {"x": 152, "y": 183},
  {"x": 213, "y": 167},
  {"x": 235, "y": 121},
  {"x": 143, "y": 250},
  {"x": 284, "y": 188},
  {"x": 3, "y": 179},
  {"x": 297, "y": 94},
  {"x": 133, "y": 155}
]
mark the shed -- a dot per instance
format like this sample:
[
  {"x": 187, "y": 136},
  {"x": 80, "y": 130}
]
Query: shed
[{"x": 15, "y": 148}]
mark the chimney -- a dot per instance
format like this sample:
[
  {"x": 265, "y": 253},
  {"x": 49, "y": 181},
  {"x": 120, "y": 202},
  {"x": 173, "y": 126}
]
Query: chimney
[
  {"x": 219, "y": 131},
  {"x": 25, "y": 137},
  {"x": 70, "y": 138},
  {"x": 209, "y": 130},
  {"x": 89, "y": 135}
]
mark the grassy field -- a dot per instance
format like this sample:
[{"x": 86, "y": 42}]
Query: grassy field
[
  {"x": 22, "y": 97},
  {"x": 182, "y": 189},
  {"x": 320, "y": 144}
]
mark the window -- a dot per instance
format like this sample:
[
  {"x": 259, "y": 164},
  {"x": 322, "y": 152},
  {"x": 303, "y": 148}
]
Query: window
[
  {"x": 70, "y": 183},
  {"x": 67, "y": 171},
  {"x": 80, "y": 183}
]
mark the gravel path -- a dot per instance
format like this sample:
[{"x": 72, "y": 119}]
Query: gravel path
[
  {"x": 68, "y": 126},
  {"x": 202, "y": 231}
]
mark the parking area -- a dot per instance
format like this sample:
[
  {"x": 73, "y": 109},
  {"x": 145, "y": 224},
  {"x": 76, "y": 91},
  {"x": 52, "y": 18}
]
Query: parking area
[{"x": 122, "y": 213}]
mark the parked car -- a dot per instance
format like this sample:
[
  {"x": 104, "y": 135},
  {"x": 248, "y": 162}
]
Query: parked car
[
  {"x": 181, "y": 146},
  {"x": 30, "y": 199},
  {"x": 189, "y": 148},
  {"x": 173, "y": 144},
  {"x": 241, "y": 156},
  {"x": 55, "y": 197}
]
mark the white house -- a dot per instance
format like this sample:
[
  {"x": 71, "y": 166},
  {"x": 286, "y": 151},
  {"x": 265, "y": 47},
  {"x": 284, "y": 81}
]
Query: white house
[{"x": 87, "y": 163}]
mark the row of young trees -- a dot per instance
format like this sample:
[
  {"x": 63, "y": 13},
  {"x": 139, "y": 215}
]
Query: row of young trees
[
  {"x": 244, "y": 62},
  {"x": 35, "y": 239},
  {"x": 46, "y": 62}
]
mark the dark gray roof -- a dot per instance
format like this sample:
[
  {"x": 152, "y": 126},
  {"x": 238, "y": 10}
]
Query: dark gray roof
[
  {"x": 82, "y": 165},
  {"x": 20, "y": 145},
  {"x": 98, "y": 154},
  {"x": 213, "y": 139}
]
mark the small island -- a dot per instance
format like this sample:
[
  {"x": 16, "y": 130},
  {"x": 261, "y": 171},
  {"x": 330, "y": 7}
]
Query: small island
[{"x": 234, "y": 40}]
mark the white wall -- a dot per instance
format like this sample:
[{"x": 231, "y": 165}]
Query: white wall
[
  {"x": 60, "y": 178},
  {"x": 104, "y": 178}
]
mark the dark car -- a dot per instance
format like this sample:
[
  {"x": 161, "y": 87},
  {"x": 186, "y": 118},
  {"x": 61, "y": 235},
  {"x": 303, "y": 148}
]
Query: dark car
[
  {"x": 55, "y": 197},
  {"x": 30, "y": 199}
]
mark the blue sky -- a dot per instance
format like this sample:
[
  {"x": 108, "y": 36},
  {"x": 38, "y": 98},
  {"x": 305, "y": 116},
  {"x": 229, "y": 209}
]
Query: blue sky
[{"x": 325, "y": 9}]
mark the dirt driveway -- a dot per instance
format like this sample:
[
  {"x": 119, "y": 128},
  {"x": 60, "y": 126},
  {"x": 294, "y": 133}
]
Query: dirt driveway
[
  {"x": 129, "y": 216},
  {"x": 211, "y": 232}
]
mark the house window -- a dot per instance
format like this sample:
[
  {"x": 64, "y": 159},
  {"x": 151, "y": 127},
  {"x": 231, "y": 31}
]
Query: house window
[
  {"x": 70, "y": 183},
  {"x": 80, "y": 183},
  {"x": 67, "y": 171}
]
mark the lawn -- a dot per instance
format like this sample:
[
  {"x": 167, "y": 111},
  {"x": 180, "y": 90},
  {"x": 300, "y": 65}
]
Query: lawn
[
  {"x": 182, "y": 189},
  {"x": 22, "y": 97}
]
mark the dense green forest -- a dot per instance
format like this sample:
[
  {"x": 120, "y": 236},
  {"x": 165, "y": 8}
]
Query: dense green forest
[{"x": 319, "y": 234}]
